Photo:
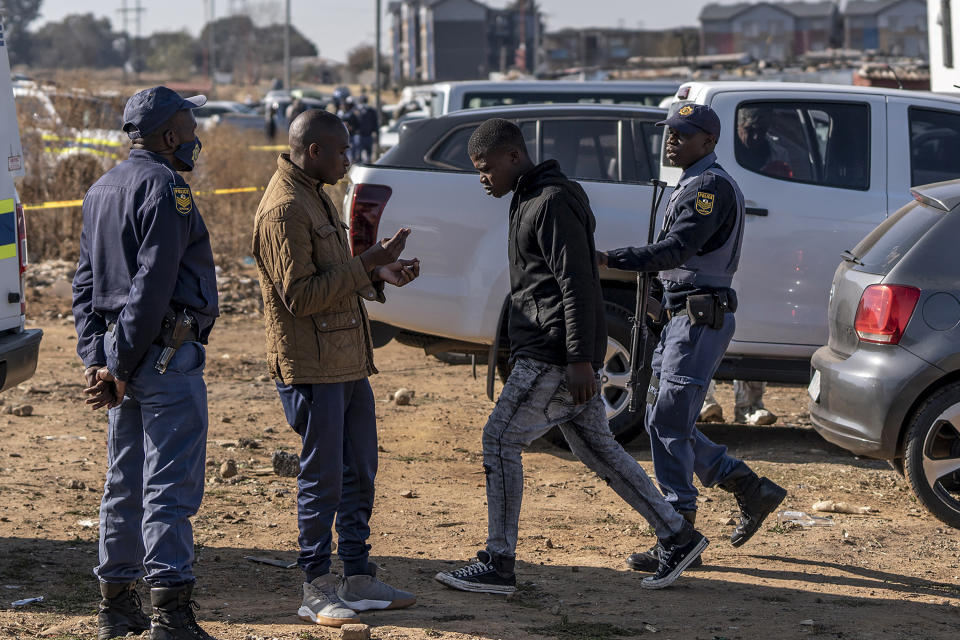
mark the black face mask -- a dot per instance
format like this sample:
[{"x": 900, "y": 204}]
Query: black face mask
[{"x": 188, "y": 152}]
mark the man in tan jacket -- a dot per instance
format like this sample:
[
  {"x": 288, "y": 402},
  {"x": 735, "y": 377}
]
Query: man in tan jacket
[{"x": 320, "y": 353}]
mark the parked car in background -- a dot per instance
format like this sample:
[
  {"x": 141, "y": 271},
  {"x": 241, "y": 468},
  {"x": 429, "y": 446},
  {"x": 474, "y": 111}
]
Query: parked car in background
[
  {"x": 19, "y": 347},
  {"x": 390, "y": 133},
  {"x": 887, "y": 383},
  {"x": 453, "y": 96},
  {"x": 225, "y": 112}
]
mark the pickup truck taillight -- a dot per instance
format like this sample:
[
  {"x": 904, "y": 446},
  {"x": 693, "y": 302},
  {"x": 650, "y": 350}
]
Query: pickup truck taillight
[
  {"x": 884, "y": 312},
  {"x": 365, "y": 211}
]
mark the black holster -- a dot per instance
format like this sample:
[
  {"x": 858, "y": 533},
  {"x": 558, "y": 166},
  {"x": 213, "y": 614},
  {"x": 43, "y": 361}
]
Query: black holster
[{"x": 710, "y": 308}]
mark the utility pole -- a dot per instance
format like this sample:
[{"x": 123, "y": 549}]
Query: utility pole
[
  {"x": 211, "y": 51},
  {"x": 376, "y": 79},
  {"x": 286, "y": 50},
  {"x": 125, "y": 11}
]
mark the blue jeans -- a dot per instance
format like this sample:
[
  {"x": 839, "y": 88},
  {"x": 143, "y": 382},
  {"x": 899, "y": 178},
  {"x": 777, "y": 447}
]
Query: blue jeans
[
  {"x": 534, "y": 399},
  {"x": 156, "y": 449},
  {"x": 337, "y": 425},
  {"x": 684, "y": 362}
]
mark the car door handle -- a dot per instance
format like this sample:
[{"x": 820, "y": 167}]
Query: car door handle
[{"x": 755, "y": 211}]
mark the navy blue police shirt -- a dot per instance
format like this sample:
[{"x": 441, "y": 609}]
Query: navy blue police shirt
[
  {"x": 687, "y": 231},
  {"x": 144, "y": 250}
]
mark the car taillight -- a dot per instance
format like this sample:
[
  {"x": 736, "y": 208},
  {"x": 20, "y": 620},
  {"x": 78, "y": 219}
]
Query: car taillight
[
  {"x": 365, "y": 211},
  {"x": 884, "y": 312}
]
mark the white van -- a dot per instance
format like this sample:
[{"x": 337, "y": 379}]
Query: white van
[
  {"x": 19, "y": 347},
  {"x": 454, "y": 96}
]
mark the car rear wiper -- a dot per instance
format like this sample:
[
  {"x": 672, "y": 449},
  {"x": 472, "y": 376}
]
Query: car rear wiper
[{"x": 848, "y": 256}]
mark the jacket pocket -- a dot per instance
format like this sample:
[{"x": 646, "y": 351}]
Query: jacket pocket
[{"x": 338, "y": 341}]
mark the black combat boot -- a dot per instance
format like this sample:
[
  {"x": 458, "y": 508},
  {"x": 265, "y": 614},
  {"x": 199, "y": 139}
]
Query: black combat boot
[
  {"x": 757, "y": 498},
  {"x": 173, "y": 617},
  {"x": 649, "y": 560},
  {"x": 121, "y": 611}
]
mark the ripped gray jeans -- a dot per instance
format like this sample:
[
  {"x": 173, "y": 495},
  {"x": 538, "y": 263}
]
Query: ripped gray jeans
[{"x": 534, "y": 400}]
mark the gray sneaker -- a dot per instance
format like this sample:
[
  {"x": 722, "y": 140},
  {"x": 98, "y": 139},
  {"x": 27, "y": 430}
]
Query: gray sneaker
[
  {"x": 321, "y": 605},
  {"x": 363, "y": 592}
]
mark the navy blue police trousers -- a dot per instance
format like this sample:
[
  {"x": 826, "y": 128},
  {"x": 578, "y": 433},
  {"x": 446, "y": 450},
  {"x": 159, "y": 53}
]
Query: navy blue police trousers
[
  {"x": 156, "y": 449},
  {"x": 337, "y": 425},
  {"x": 684, "y": 362}
]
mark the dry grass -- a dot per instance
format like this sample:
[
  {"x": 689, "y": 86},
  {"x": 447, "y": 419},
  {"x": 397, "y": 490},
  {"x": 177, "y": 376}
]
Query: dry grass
[{"x": 226, "y": 162}]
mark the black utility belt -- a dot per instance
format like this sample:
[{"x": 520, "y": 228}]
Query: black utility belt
[
  {"x": 166, "y": 331},
  {"x": 708, "y": 308}
]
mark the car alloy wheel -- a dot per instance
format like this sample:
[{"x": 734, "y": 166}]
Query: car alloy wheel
[{"x": 932, "y": 454}]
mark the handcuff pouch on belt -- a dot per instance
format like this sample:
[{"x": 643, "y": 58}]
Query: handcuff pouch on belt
[
  {"x": 710, "y": 308},
  {"x": 177, "y": 328}
]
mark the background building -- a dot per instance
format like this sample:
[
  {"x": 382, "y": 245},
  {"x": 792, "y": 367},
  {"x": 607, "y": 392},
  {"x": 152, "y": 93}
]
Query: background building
[
  {"x": 436, "y": 40},
  {"x": 892, "y": 27},
  {"x": 611, "y": 48},
  {"x": 943, "y": 24},
  {"x": 771, "y": 31}
]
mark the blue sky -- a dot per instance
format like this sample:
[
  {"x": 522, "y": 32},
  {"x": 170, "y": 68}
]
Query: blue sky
[{"x": 336, "y": 26}]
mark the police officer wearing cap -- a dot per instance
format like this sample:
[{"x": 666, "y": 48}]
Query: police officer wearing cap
[
  {"x": 144, "y": 302},
  {"x": 696, "y": 255}
]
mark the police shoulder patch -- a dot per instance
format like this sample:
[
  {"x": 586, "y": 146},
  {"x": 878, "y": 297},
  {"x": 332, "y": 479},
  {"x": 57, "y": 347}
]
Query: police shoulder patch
[
  {"x": 183, "y": 199},
  {"x": 704, "y": 203}
]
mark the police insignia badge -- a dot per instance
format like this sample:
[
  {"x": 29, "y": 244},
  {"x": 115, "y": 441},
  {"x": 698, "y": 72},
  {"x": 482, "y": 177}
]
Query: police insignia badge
[
  {"x": 184, "y": 199},
  {"x": 704, "y": 203},
  {"x": 685, "y": 111}
]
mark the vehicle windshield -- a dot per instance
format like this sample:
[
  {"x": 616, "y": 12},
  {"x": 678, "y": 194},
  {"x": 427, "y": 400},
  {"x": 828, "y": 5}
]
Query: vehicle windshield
[
  {"x": 882, "y": 249},
  {"x": 486, "y": 99}
]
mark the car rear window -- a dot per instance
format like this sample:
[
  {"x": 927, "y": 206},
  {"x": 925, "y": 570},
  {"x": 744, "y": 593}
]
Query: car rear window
[{"x": 890, "y": 241}]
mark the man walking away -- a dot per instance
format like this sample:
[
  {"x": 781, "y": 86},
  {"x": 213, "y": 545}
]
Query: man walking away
[
  {"x": 144, "y": 302},
  {"x": 320, "y": 353},
  {"x": 558, "y": 338}
]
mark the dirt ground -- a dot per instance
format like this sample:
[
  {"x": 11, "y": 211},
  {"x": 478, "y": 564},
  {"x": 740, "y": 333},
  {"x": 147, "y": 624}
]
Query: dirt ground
[{"x": 891, "y": 574}]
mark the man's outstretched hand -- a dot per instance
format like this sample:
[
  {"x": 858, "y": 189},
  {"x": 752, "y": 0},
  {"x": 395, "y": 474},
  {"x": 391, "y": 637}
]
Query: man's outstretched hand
[
  {"x": 581, "y": 382},
  {"x": 104, "y": 389},
  {"x": 386, "y": 251},
  {"x": 398, "y": 273}
]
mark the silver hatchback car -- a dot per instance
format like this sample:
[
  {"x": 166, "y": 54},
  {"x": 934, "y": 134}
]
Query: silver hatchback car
[{"x": 887, "y": 385}]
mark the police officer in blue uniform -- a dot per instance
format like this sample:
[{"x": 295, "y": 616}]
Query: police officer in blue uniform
[
  {"x": 144, "y": 302},
  {"x": 696, "y": 255}
]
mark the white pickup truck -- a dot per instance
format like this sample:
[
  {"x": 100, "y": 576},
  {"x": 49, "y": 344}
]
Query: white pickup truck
[{"x": 819, "y": 165}]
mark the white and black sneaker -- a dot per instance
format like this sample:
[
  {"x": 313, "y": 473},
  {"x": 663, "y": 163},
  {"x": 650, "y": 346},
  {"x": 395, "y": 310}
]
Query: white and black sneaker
[
  {"x": 675, "y": 556},
  {"x": 481, "y": 576}
]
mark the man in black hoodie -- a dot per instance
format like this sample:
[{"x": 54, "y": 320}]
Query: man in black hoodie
[{"x": 557, "y": 343}]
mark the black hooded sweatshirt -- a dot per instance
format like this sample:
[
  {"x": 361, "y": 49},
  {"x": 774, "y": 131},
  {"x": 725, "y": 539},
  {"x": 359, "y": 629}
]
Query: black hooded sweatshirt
[{"x": 556, "y": 304}]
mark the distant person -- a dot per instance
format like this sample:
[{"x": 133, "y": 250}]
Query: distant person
[
  {"x": 748, "y": 404},
  {"x": 270, "y": 121},
  {"x": 558, "y": 338},
  {"x": 294, "y": 109},
  {"x": 348, "y": 114},
  {"x": 319, "y": 352},
  {"x": 368, "y": 124},
  {"x": 756, "y": 148}
]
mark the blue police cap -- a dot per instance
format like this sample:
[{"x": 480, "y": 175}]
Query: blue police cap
[
  {"x": 691, "y": 118},
  {"x": 148, "y": 109}
]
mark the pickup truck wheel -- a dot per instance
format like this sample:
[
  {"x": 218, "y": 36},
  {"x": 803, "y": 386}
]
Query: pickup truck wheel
[
  {"x": 932, "y": 454},
  {"x": 613, "y": 378}
]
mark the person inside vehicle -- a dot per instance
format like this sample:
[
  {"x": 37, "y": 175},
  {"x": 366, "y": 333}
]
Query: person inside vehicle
[{"x": 756, "y": 148}]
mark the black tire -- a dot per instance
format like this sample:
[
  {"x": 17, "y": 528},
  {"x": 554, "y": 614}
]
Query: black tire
[
  {"x": 933, "y": 435},
  {"x": 625, "y": 425}
]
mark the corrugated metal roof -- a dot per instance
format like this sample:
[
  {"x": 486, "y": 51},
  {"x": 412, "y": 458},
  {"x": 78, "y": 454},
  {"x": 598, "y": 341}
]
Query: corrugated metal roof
[{"x": 868, "y": 7}]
